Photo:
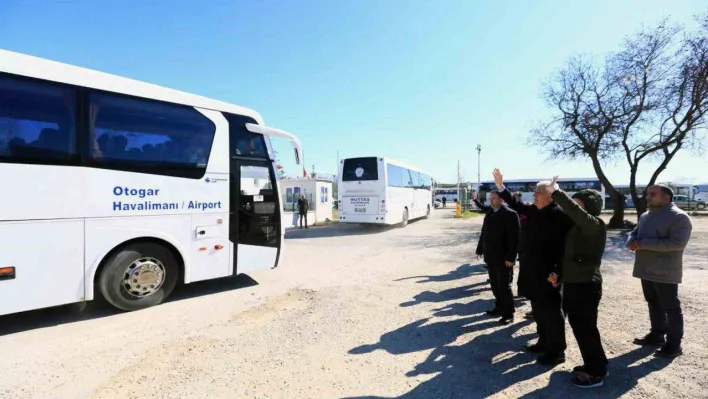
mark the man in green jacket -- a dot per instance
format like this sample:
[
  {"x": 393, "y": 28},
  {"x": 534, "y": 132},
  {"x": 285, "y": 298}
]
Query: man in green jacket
[{"x": 581, "y": 280}]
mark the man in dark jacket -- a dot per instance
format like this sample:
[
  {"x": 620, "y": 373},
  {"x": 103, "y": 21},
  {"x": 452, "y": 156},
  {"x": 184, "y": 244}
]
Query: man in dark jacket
[
  {"x": 498, "y": 243},
  {"x": 542, "y": 252},
  {"x": 580, "y": 276},
  {"x": 303, "y": 207}
]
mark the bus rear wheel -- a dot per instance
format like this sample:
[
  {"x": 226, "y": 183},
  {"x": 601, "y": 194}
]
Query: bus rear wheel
[
  {"x": 139, "y": 276},
  {"x": 404, "y": 220}
]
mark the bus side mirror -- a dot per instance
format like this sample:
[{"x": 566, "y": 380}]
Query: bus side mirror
[{"x": 297, "y": 153}]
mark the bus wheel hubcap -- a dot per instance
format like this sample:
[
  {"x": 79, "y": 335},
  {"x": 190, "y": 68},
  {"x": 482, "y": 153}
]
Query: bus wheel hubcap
[{"x": 144, "y": 277}]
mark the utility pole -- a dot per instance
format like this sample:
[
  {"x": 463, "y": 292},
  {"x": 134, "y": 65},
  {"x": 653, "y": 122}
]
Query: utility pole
[
  {"x": 479, "y": 156},
  {"x": 458, "y": 181}
]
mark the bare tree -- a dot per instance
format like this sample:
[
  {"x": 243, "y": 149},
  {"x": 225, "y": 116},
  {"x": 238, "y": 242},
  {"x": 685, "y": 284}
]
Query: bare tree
[{"x": 647, "y": 101}]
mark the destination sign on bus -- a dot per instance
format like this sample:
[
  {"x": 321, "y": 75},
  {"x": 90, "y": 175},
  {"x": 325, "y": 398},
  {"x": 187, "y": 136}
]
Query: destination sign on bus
[{"x": 155, "y": 205}]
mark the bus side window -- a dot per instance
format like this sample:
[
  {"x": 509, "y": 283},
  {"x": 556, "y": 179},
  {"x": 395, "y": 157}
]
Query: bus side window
[
  {"x": 37, "y": 122},
  {"x": 144, "y": 136}
]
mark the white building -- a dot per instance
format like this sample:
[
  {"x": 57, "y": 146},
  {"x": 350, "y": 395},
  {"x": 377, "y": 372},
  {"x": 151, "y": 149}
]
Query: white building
[{"x": 318, "y": 193}]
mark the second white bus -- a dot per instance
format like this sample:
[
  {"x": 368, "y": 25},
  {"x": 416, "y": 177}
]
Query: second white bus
[{"x": 378, "y": 190}]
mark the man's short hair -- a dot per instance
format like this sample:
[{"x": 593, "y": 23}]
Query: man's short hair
[
  {"x": 664, "y": 189},
  {"x": 542, "y": 185}
]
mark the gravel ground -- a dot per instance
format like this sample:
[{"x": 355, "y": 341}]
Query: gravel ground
[{"x": 352, "y": 313}]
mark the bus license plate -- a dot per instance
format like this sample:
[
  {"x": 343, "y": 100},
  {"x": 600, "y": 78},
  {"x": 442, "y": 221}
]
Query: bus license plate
[{"x": 362, "y": 210}]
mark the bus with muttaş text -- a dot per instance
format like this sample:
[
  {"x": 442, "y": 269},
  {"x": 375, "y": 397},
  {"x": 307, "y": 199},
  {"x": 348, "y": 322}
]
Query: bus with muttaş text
[
  {"x": 122, "y": 189},
  {"x": 378, "y": 190}
]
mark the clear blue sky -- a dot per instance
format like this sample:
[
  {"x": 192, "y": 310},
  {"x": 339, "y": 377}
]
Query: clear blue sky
[{"x": 420, "y": 81}]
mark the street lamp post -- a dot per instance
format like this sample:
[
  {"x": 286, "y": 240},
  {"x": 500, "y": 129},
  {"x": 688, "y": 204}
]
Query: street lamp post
[{"x": 479, "y": 156}]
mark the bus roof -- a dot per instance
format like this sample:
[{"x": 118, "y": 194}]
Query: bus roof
[{"x": 35, "y": 67}]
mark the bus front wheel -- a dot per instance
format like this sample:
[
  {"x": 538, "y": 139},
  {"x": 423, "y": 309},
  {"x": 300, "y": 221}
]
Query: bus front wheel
[{"x": 138, "y": 276}]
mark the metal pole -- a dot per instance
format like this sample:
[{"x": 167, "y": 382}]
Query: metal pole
[
  {"x": 479, "y": 157},
  {"x": 459, "y": 198}
]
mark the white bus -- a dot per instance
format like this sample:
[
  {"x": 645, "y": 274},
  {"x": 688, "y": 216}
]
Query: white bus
[
  {"x": 527, "y": 187},
  {"x": 379, "y": 190},
  {"x": 119, "y": 188},
  {"x": 450, "y": 194}
]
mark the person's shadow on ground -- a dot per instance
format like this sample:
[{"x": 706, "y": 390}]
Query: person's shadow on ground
[
  {"x": 624, "y": 374},
  {"x": 449, "y": 294},
  {"x": 462, "y": 272},
  {"x": 492, "y": 361}
]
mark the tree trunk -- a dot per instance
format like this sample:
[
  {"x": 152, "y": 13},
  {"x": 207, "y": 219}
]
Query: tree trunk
[{"x": 617, "y": 220}]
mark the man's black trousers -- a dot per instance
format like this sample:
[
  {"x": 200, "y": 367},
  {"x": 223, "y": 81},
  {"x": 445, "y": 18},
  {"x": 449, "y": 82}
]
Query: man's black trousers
[
  {"x": 550, "y": 323},
  {"x": 580, "y": 304},
  {"x": 664, "y": 311},
  {"x": 500, "y": 278},
  {"x": 303, "y": 215}
]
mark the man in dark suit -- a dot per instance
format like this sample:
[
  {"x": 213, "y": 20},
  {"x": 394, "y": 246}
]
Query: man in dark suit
[
  {"x": 303, "y": 207},
  {"x": 542, "y": 254},
  {"x": 498, "y": 244}
]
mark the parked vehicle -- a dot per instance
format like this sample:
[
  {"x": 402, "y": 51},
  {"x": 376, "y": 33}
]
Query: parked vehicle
[{"x": 684, "y": 202}]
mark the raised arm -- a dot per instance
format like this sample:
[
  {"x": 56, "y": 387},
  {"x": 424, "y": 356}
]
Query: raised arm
[
  {"x": 587, "y": 222},
  {"x": 680, "y": 229},
  {"x": 481, "y": 206},
  {"x": 519, "y": 207}
]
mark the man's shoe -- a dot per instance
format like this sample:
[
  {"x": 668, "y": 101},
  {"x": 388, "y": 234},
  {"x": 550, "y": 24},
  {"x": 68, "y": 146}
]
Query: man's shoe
[
  {"x": 582, "y": 369},
  {"x": 585, "y": 380},
  {"x": 535, "y": 348},
  {"x": 551, "y": 359},
  {"x": 506, "y": 320},
  {"x": 669, "y": 351},
  {"x": 650, "y": 340},
  {"x": 493, "y": 312}
]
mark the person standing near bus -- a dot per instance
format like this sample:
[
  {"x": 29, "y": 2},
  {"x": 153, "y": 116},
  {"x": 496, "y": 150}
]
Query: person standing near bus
[
  {"x": 579, "y": 274},
  {"x": 659, "y": 241},
  {"x": 444, "y": 201},
  {"x": 546, "y": 227},
  {"x": 303, "y": 207},
  {"x": 498, "y": 244}
]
